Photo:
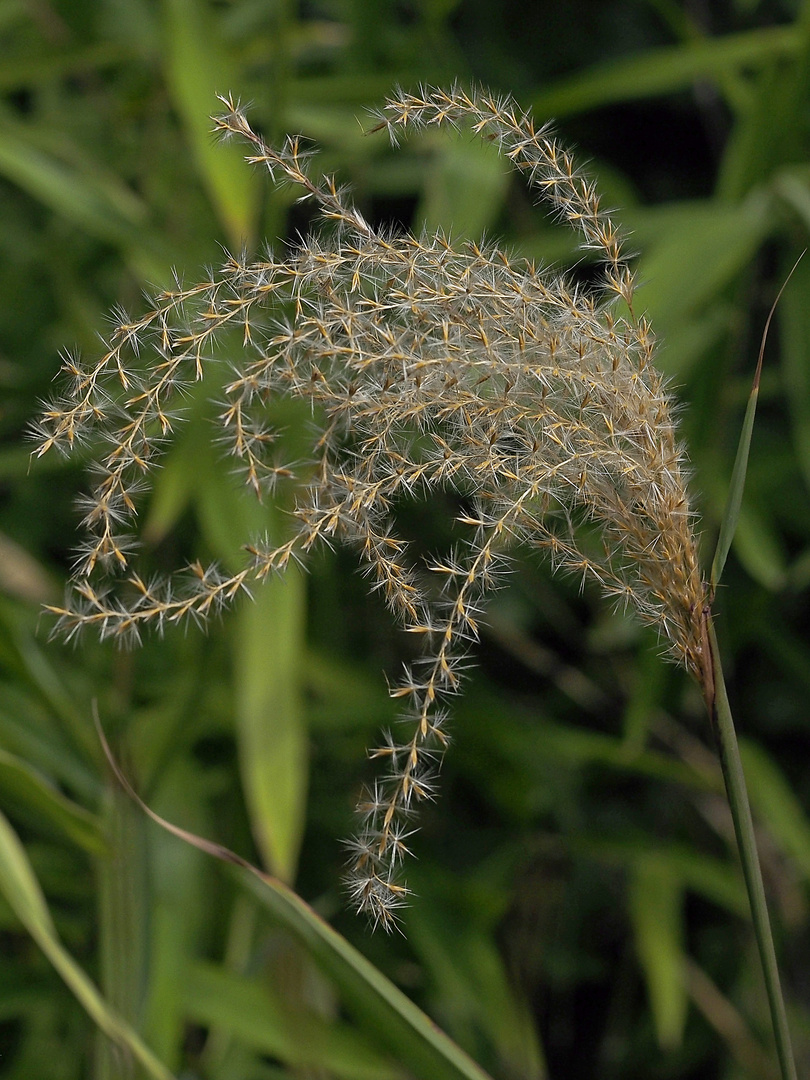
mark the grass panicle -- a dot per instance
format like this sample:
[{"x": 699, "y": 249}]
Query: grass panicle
[{"x": 427, "y": 365}]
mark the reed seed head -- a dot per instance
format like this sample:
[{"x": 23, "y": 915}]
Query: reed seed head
[{"x": 426, "y": 365}]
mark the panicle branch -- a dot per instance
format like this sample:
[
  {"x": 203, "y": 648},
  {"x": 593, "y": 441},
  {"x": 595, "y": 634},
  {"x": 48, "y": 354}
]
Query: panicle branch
[{"x": 429, "y": 366}]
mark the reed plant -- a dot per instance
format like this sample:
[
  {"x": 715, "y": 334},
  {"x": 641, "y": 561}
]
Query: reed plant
[{"x": 531, "y": 396}]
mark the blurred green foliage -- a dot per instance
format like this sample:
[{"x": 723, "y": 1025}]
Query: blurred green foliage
[{"x": 579, "y": 908}]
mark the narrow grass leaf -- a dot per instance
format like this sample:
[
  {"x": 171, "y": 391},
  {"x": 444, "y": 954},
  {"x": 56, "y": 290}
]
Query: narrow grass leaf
[
  {"x": 260, "y": 1016},
  {"x": 483, "y": 1011},
  {"x": 34, "y": 667},
  {"x": 794, "y": 334},
  {"x": 174, "y": 487},
  {"x": 728, "y": 524},
  {"x": 691, "y": 252},
  {"x": 730, "y": 1025},
  {"x": 731, "y": 515},
  {"x": 21, "y": 889},
  {"x": 644, "y": 700},
  {"x": 792, "y": 185},
  {"x": 758, "y": 546},
  {"x": 79, "y": 191},
  {"x": 404, "y": 1030},
  {"x": 342, "y": 696},
  {"x": 776, "y": 805},
  {"x": 22, "y": 575},
  {"x": 667, "y": 70},
  {"x": 465, "y": 189},
  {"x": 573, "y": 746},
  {"x": 330, "y": 125},
  {"x": 273, "y": 743},
  {"x": 50, "y": 67},
  {"x": 656, "y": 910},
  {"x": 197, "y": 70},
  {"x": 123, "y": 914},
  {"x": 25, "y": 786},
  {"x": 410, "y": 1036},
  {"x": 715, "y": 880},
  {"x": 176, "y": 920},
  {"x": 765, "y": 123}
]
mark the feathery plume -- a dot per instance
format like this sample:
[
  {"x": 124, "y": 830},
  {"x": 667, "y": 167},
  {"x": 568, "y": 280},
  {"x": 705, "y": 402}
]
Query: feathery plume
[{"x": 427, "y": 365}]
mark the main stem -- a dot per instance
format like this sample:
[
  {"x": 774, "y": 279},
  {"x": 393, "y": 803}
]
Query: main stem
[{"x": 723, "y": 724}]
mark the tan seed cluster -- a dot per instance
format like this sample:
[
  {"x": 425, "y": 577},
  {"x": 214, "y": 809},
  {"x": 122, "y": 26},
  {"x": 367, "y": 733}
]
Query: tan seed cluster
[{"x": 428, "y": 366}]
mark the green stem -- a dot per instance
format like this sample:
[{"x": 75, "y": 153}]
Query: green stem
[{"x": 717, "y": 701}]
